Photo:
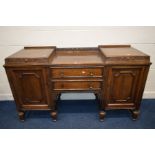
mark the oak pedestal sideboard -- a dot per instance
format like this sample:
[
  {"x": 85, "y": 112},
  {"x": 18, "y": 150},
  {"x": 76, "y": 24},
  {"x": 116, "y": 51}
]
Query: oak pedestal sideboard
[{"x": 116, "y": 74}]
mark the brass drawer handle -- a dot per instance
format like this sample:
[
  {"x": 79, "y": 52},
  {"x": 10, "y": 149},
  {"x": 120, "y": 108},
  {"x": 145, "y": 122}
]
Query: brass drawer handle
[
  {"x": 26, "y": 60},
  {"x": 91, "y": 74},
  {"x": 90, "y": 87},
  {"x": 83, "y": 72}
]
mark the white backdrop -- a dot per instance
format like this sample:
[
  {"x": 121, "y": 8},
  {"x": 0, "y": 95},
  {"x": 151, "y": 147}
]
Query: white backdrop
[{"x": 15, "y": 38}]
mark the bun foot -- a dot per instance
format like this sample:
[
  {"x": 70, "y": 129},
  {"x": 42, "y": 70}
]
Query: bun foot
[
  {"x": 59, "y": 97},
  {"x": 21, "y": 115},
  {"x": 54, "y": 116},
  {"x": 135, "y": 114},
  {"x": 96, "y": 96},
  {"x": 102, "y": 115}
]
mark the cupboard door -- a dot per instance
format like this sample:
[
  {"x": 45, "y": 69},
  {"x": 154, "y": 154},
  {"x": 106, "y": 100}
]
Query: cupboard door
[
  {"x": 30, "y": 87},
  {"x": 124, "y": 83}
]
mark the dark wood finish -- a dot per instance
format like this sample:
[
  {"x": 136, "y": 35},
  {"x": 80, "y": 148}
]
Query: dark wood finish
[{"x": 116, "y": 74}]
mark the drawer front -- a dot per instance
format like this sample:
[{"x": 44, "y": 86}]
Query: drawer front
[
  {"x": 75, "y": 72},
  {"x": 78, "y": 85}
]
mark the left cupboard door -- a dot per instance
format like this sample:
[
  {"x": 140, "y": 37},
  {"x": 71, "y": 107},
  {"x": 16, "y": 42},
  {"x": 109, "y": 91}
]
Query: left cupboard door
[{"x": 29, "y": 86}]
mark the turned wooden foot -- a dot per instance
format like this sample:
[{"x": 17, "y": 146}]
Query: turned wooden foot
[
  {"x": 96, "y": 96},
  {"x": 54, "y": 115},
  {"x": 102, "y": 115},
  {"x": 135, "y": 114},
  {"x": 21, "y": 115},
  {"x": 58, "y": 98}
]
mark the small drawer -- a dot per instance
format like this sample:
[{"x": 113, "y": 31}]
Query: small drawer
[
  {"x": 77, "y": 85},
  {"x": 76, "y": 72}
]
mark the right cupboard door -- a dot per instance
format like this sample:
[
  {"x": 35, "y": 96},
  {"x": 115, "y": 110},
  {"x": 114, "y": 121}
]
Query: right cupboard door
[{"x": 123, "y": 86}]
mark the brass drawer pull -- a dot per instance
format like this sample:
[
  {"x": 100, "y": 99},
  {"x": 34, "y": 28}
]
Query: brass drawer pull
[
  {"x": 91, "y": 74},
  {"x": 26, "y": 60},
  {"x": 90, "y": 87},
  {"x": 83, "y": 72}
]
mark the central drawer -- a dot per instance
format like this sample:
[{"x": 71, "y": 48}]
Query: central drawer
[
  {"x": 76, "y": 72},
  {"x": 76, "y": 85}
]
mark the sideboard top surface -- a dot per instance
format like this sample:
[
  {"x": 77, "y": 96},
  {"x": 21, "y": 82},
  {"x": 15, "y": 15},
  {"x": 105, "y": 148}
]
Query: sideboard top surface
[
  {"x": 77, "y": 56},
  {"x": 35, "y": 55},
  {"x": 121, "y": 52},
  {"x": 101, "y": 55},
  {"x": 32, "y": 52}
]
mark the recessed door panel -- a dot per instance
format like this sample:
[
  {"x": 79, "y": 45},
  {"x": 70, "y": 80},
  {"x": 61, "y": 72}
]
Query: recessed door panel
[
  {"x": 123, "y": 85},
  {"x": 30, "y": 85}
]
